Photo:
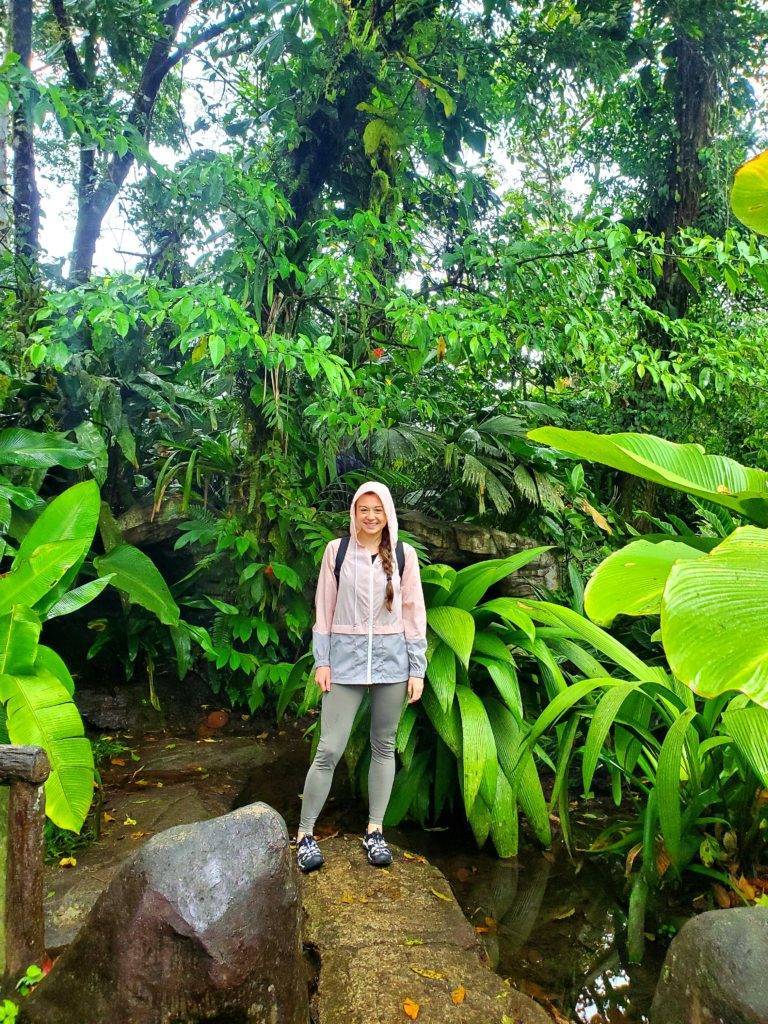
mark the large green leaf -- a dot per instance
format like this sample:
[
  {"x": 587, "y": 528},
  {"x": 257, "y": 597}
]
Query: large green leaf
[
  {"x": 72, "y": 516},
  {"x": 530, "y": 795},
  {"x": 478, "y": 746},
  {"x": 19, "y": 633},
  {"x": 632, "y": 580},
  {"x": 472, "y": 582},
  {"x": 19, "y": 447},
  {"x": 441, "y": 672},
  {"x": 603, "y": 718},
  {"x": 78, "y": 598},
  {"x": 684, "y": 467},
  {"x": 583, "y": 629},
  {"x": 749, "y": 193},
  {"x": 42, "y": 713},
  {"x": 35, "y": 577},
  {"x": 668, "y": 774},
  {"x": 447, "y": 724},
  {"x": 504, "y": 825},
  {"x": 714, "y": 618},
  {"x": 508, "y": 609},
  {"x": 138, "y": 577},
  {"x": 455, "y": 627},
  {"x": 748, "y": 727}
]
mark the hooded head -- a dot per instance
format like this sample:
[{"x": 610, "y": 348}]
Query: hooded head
[{"x": 383, "y": 494}]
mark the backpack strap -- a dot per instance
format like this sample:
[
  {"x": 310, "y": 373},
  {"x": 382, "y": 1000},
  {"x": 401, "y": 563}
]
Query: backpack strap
[
  {"x": 400, "y": 554},
  {"x": 341, "y": 554}
]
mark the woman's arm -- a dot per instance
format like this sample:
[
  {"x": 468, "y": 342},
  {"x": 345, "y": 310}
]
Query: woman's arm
[
  {"x": 325, "y": 604},
  {"x": 414, "y": 615}
]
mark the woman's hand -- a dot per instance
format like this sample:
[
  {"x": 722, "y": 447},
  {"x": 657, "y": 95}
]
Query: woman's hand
[
  {"x": 415, "y": 688},
  {"x": 323, "y": 678}
]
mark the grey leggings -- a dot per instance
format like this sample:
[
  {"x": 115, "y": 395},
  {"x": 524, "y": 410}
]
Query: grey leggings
[{"x": 339, "y": 708}]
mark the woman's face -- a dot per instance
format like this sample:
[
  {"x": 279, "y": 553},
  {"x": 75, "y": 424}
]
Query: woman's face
[{"x": 370, "y": 518}]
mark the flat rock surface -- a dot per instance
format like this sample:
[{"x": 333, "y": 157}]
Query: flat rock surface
[
  {"x": 391, "y": 940},
  {"x": 175, "y": 781}
]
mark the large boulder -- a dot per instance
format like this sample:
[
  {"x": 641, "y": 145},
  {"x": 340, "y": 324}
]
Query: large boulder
[
  {"x": 202, "y": 924},
  {"x": 388, "y": 940},
  {"x": 715, "y": 970}
]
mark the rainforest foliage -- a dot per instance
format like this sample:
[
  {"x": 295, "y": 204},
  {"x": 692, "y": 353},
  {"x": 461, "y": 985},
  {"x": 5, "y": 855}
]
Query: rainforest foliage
[{"x": 253, "y": 254}]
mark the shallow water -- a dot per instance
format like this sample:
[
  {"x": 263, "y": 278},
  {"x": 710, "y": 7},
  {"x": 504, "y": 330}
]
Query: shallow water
[{"x": 551, "y": 924}]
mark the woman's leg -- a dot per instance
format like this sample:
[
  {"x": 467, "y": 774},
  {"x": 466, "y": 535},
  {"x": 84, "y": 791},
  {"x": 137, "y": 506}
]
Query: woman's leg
[
  {"x": 337, "y": 716},
  {"x": 387, "y": 701}
]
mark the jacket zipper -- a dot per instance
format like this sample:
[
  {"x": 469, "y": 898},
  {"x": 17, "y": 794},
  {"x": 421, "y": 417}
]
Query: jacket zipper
[{"x": 370, "y": 620}]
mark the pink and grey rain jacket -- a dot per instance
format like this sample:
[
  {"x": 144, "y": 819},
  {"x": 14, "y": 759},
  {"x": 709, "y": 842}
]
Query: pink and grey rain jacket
[{"x": 354, "y": 634}]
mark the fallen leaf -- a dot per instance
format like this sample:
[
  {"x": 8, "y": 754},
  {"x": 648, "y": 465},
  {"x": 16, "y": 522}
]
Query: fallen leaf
[
  {"x": 119, "y": 761},
  {"x": 414, "y": 856},
  {"x": 347, "y": 898},
  {"x": 722, "y": 896},
  {"x": 411, "y": 1009},
  {"x": 561, "y": 915},
  {"x": 158, "y": 785},
  {"x": 142, "y": 782},
  {"x": 129, "y": 821},
  {"x": 426, "y": 972},
  {"x": 108, "y": 817},
  {"x": 68, "y": 862},
  {"x": 262, "y": 735},
  {"x": 441, "y": 895},
  {"x": 170, "y": 746},
  {"x": 139, "y": 835},
  {"x": 414, "y": 942},
  {"x": 458, "y": 994},
  {"x": 491, "y": 922},
  {"x": 481, "y": 928},
  {"x": 746, "y": 888}
]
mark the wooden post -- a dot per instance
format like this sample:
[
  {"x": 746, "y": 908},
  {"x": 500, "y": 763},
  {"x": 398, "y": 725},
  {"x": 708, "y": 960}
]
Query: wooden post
[{"x": 23, "y": 770}]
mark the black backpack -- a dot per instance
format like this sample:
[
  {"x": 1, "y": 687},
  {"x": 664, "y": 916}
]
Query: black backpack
[{"x": 342, "y": 552}]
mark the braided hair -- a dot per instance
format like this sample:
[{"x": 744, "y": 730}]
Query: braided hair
[{"x": 385, "y": 554}]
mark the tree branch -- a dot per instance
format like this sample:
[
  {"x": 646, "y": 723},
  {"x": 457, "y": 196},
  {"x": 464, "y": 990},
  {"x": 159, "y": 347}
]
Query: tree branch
[{"x": 77, "y": 74}]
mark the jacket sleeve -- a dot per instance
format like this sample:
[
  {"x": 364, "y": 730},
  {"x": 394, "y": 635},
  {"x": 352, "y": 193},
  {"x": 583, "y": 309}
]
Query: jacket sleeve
[
  {"x": 325, "y": 604},
  {"x": 414, "y": 614}
]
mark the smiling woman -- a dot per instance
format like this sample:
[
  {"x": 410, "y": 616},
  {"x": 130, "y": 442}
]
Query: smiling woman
[{"x": 369, "y": 636}]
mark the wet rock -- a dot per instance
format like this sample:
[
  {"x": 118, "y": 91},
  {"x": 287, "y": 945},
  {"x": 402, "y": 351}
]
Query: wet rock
[
  {"x": 714, "y": 972},
  {"x": 175, "y": 781},
  {"x": 381, "y": 937},
  {"x": 200, "y": 924}
]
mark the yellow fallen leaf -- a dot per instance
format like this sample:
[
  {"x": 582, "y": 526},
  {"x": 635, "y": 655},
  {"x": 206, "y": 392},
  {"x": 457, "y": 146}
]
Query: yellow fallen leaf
[
  {"x": 411, "y": 1009},
  {"x": 68, "y": 862},
  {"x": 562, "y": 914},
  {"x": 119, "y": 761},
  {"x": 142, "y": 782},
  {"x": 426, "y": 972},
  {"x": 139, "y": 835},
  {"x": 746, "y": 888},
  {"x": 347, "y": 898},
  {"x": 597, "y": 517},
  {"x": 414, "y": 942},
  {"x": 441, "y": 895},
  {"x": 458, "y": 994},
  {"x": 414, "y": 856},
  {"x": 129, "y": 821},
  {"x": 108, "y": 817},
  {"x": 158, "y": 785}
]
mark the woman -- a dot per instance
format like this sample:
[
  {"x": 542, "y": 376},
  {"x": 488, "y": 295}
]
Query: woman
[{"x": 369, "y": 636}]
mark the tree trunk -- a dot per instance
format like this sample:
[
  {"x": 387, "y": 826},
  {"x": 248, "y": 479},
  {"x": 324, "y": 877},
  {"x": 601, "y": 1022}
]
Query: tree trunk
[
  {"x": 26, "y": 199},
  {"x": 691, "y": 80}
]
